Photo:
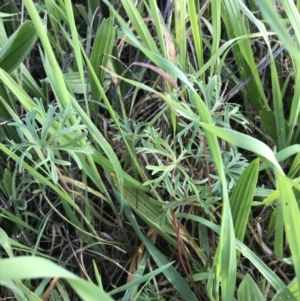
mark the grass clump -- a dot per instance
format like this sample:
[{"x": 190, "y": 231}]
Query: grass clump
[{"x": 149, "y": 150}]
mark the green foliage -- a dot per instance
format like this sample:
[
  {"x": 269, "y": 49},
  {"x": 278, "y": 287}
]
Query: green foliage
[
  {"x": 17, "y": 47},
  {"x": 248, "y": 290},
  {"x": 241, "y": 199},
  {"x": 43, "y": 268},
  {"x": 45, "y": 144},
  {"x": 127, "y": 146}
]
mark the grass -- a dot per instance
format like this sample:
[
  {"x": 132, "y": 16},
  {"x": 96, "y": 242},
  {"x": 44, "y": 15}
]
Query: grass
[{"x": 146, "y": 154}]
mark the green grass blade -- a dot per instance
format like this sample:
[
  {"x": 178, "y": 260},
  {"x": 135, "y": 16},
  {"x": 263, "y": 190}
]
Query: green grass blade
[
  {"x": 171, "y": 273},
  {"x": 59, "y": 82},
  {"x": 291, "y": 218},
  {"x": 236, "y": 27},
  {"x": 101, "y": 50},
  {"x": 17, "y": 47},
  {"x": 242, "y": 198},
  {"x": 269, "y": 275},
  {"x": 21, "y": 268},
  {"x": 76, "y": 48},
  {"x": 139, "y": 25},
  {"x": 225, "y": 259},
  {"x": 245, "y": 142},
  {"x": 196, "y": 33},
  {"x": 141, "y": 279},
  {"x": 180, "y": 33},
  {"x": 248, "y": 290}
]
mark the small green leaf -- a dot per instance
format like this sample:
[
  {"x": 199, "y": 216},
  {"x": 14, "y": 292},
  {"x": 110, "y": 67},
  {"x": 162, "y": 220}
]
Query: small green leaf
[
  {"x": 7, "y": 180},
  {"x": 5, "y": 243},
  {"x": 248, "y": 290},
  {"x": 21, "y": 204}
]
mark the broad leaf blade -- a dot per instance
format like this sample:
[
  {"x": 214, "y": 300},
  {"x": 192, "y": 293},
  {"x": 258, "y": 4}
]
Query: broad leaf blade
[
  {"x": 46, "y": 268},
  {"x": 249, "y": 291},
  {"x": 291, "y": 219},
  {"x": 18, "y": 46},
  {"x": 242, "y": 197},
  {"x": 102, "y": 48}
]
